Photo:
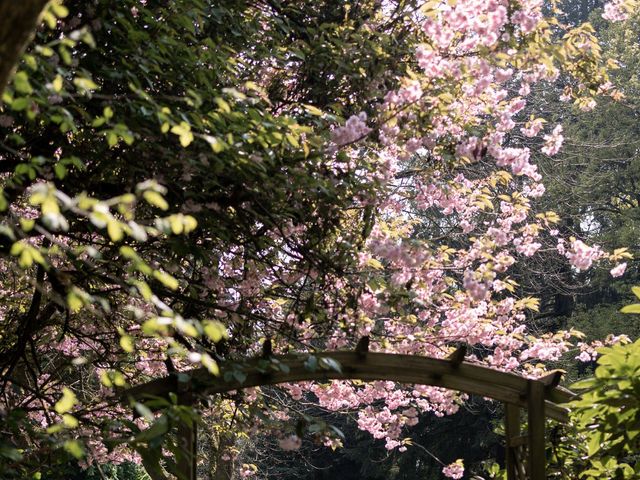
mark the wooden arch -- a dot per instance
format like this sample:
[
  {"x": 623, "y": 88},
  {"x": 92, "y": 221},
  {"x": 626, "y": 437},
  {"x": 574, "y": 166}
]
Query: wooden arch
[{"x": 525, "y": 453}]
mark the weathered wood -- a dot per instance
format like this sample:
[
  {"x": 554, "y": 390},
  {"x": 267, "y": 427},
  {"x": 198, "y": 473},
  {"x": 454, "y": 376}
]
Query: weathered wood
[
  {"x": 561, "y": 395},
  {"x": 362, "y": 348},
  {"x": 552, "y": 379},
  {"x": 187, "y": 442},
  {"x": 536, "y": 416},
  {"x": 519, "y": 441},
  {"x": 18, "y": 21},
  {"x": 539, "y": 397},
  {"x": 512, "y": 430},
  {"x": 521, "y": 471},
  {"x": 457, "y": 357},
  {"x": 187, "y": 434},
  {"x": 409, "y": 369},
  {"x": 556, "y": 412}
]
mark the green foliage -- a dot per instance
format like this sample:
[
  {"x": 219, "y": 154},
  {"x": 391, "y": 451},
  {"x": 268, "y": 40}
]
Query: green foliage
[
  {"x": 229, "y": 104},
  {"x": 603, "y": 439}
]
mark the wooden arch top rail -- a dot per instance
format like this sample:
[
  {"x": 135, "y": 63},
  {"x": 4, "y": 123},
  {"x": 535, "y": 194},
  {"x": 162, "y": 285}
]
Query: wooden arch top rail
[{"x": 451, "y": 373}]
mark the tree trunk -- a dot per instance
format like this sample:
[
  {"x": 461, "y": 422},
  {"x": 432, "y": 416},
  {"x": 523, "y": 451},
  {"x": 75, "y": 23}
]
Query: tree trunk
[
  {"x": 221, "y": 468},
  {"x": 18, "y": 21}
]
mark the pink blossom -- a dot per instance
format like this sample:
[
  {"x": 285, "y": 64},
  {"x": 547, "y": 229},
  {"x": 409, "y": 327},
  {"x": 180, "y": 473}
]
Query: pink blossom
[
  {"x": 247, "y": 471},
  {"x": 454, "y": 470},
  {"x": 588, "y": 105},
  {"x": 477, "y": 288},
  {"x": 503, "y": 74},
  {"x": 584, "y": 357},
  {"x": 354, "y": 129},
  {"x": 618, "y": 270},
  {"x": 582, "y": 256},
  {"x": 291, "y": 442},
  {"x": 616, "y": 11},
  {"x": 532, "y": 128},
  {"x": 553, "y": 142}
]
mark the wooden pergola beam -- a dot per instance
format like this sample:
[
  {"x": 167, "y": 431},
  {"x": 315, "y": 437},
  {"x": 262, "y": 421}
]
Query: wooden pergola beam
[
  {"x": 452, "y": 374},
  {"x": 540, "y": 397}
]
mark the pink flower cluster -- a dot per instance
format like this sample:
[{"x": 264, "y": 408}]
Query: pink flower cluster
[
  {"x": 618, "y": 270},
  {"x": 290, "y": 442},
  {"x": 617, "y": 10},
  {"x": 553, "y": 142},
  {"x": 454, "y": 470},
  {"x": 354, "y": 129},
  {"x": 582, "y": 256}
]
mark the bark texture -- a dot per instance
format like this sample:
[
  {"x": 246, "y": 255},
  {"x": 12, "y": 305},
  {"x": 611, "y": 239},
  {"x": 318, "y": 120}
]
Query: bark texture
[{"x": 18, "y": 21}]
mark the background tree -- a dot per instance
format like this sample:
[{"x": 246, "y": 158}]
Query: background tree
[{"x": 180, "y": 187}]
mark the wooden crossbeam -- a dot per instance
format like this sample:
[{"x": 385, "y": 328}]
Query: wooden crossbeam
[
  {"x": 539, "y": 397},
  {"x": 457, "y": 357},
  {"x": 452, "y": 374},
  {"x": 552, "y": 379}
]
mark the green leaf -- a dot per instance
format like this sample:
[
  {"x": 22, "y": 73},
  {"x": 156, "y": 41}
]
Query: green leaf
[
  {"x": 3, "y": 201},
  {"x": 634, "y": 308},
  {"x": 215, "y": 330},
  {"x": 594, "y": 443},
  {"x": 293, "y": 140},
  {"x": 85, "y": 84},
  {"x": 127, "y": 343},
  {"x": 582, "y": 384},
  {"x": 16, "y": 248},
  {"x": 166, "y": 279},
  {"x": 144, "y": 289},
  {"x": 145, "y": 411},
  {"x": 176, "y": 224},
  {"x": 183, "y": 130},
  {"x": 74, "y": 447},
  {"x": 155, "y": 199},
  {"x": 57, "y": 84},
  {"x": 70, "y": 421},
  {"x": 373, "y": 263},
  {"x": 215, "y": 143},
  {"x": 636, "y": 291},
  {"x": 74, "y": 302},
  {"x": 21, "y": 82},
  {"x": 20, "y": 103},
  {"x": 159, "y": 427},
  {"x": 210, "y": 364},
  {"x": 60, "y": 170},
  {"x": 114, "y": 229},
  {"x": 314, "y": 110},
  {"x": 11, "y": 453},
  {"x": 112, "y": 138},
  {"x": 67, "y": 401},
  {"x": 189, "y": 223},
  {"x": 58, "y": 9},
  {"x": 222, "y": 105}
]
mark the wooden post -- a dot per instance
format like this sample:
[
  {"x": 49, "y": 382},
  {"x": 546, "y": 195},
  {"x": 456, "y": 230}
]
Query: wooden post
[
  {"x": 512, "y": 430},
  {"x": 187, "y": 442},
  {"x": 187, "y": 434},
  {"x": 537, "y": 459}
]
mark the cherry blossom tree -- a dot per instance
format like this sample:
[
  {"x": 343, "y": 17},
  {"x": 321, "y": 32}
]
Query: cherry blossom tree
[{"x": 185, "y": 183}]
